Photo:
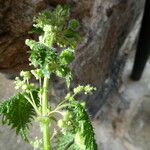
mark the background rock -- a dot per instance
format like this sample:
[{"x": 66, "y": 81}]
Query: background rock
[
  {"x": 16, "y": 20},
  {"x": 105, "y": 27},
  {"x": 123, "y": 122}
]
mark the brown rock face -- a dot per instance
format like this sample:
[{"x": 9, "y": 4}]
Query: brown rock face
[
  {"x": 105, "y": 25},
  {"x": 15, "y": 22},
  {"x": 108, "y": 26}
]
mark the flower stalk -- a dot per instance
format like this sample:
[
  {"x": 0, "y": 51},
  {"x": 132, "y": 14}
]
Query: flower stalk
[{"x": 46, "y": 123}]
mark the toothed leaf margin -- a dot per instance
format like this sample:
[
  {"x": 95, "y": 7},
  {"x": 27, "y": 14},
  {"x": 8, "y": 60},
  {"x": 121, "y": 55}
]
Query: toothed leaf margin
[{"x": 18, "y": 113}]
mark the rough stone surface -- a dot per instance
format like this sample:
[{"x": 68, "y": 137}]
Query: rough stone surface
[
  {"x": 105, "y": 26},
  {"x": 123, "y": 123},
  {"x": 15, "y": 22}
]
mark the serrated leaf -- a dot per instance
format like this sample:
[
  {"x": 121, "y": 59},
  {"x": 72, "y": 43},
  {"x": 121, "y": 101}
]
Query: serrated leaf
[
  {"x": 66, "y": 142},
  {"x": 84, "y": 128},
  {"x": 18, "y": 113},
  {"x": 56, "y": 18},
  {"x": 36, "y": 30},
  {"x": 66, "y": 56},
  {"x": 79, "y": 126},
  {"x": 41, "y": 55}
]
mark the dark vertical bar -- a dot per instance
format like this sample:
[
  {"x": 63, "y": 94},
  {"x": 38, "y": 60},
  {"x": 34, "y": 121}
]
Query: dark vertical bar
[{"x": 143, "y": 47}]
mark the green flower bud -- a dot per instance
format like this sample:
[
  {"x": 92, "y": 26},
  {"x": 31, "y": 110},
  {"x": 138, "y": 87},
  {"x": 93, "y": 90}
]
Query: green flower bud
[
  {"x": 78, "y": 89},
  {"x": 83, "y": 104},
  {"x": 88, "y": 89},
  {"x": 60, "y": 123},
  {"x": 25, "y": 74},
  {"x": 18, "y": 83},
  {"x": 66, "y": 115},
  {"x": 37, "y": 73},
  {"x": 24, "y": 87}
]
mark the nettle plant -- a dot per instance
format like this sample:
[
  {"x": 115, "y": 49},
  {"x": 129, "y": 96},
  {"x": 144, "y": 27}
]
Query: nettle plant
[{"x": 51, "y": 54}]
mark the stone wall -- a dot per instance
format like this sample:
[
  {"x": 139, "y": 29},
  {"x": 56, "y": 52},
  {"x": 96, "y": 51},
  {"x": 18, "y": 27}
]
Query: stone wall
[{"x": 105, "y": 27}]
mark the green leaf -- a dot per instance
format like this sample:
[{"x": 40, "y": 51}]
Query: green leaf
[
  {"x": 73, "y": 24},
  {"x": 36, "y": 30},
  {"x": 18, "y": 113},
  {"x": 66, "y": 56},
  {"x": 84, "y": 129},
  {"x": 56, "y": 18},
  {"x": 41, "y": 55},
  {"x": 79, "y": 126},
  {"x": 62, "y": 71},
  {"x": 56, "y": 27},
  {"x": 66, "y": 142}
]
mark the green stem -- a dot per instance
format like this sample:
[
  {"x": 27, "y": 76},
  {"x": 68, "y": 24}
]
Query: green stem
[
  {"x": 63, "y": 106},
  {"x": 40, "y": 83},
  {"x": 46, "y": 136},
  {"x": 45, "y": 125},
  {"x": 34, "y": 106}
]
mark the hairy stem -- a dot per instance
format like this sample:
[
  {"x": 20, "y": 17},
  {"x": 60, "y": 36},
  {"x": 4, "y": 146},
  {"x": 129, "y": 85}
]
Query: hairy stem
[{"x": 46, "y": 123}]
